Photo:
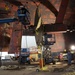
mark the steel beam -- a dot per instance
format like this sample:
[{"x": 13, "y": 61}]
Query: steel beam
[
  {"x": 14, "y": 2},
  {"x": 49, "y": 6},
  {"x": 62, "y": 11},
  {"x": 55, "y": 28}
]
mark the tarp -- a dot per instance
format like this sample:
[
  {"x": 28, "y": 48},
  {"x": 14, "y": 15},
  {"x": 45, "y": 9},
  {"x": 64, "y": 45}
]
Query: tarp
[{"x": 38, "y": 26}]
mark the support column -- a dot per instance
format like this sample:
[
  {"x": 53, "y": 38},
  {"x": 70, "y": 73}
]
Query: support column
[{"x": 15, "y": 42}]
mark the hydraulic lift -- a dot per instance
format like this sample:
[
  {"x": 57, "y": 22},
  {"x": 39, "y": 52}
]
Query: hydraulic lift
[{"x": 15, "y": 42}]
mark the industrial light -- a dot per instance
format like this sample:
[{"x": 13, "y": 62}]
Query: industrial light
[
  {"x": 71, "y": 31},
  {"x": 73, "y": 47},
  {"x": 68, "y": 30}
]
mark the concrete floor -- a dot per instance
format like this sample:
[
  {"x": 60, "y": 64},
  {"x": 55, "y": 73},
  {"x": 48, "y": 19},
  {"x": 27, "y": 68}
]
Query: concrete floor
[
  {"x": 31, "y": 70},
  {"x": 25, "y": 72}
]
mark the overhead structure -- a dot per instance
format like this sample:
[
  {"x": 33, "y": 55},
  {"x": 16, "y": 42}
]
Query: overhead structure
[
  {"x": 62, "y": 11},
  {"x": 59, "y": 14},
  {"x": 58, "y": 26},
  {"x": 14, "y": 2},
  {"x": 48, "y": 4}
]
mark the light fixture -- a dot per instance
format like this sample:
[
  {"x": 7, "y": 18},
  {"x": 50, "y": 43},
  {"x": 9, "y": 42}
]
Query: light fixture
[
  {"x": 72, "y": 47},
  {"x": 68, "y": 30},
  {"x": 71, "y": 31}
]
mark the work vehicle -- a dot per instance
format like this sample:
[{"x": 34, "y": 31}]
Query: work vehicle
[{"x": 24, "y": 56}]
